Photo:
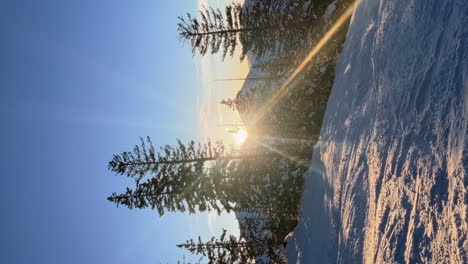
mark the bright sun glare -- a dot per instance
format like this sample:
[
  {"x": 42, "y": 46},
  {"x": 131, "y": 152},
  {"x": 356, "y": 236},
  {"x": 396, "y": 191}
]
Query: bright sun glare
[{"x": 240, "y": 136}]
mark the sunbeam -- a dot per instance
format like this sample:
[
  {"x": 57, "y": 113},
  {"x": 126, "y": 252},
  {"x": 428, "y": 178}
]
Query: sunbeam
[
  {"x": 299, "y": 160},
  {"x": 282, "y": 90},
  {"x": 302, "y": 141}
]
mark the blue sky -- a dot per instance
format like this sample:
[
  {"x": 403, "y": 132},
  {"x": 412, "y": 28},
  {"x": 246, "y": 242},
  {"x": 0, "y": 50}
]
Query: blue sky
[{"x": 79, "y": 81}]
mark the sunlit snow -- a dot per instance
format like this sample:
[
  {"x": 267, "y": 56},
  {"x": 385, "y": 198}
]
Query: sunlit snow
[{"x": 388, "y": 179}]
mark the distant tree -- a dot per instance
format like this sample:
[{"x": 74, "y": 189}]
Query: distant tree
[
  {"x": 184, "y": 177},
  {"x": 239, "y": 104},
  {"x": 244, "y": 101}
]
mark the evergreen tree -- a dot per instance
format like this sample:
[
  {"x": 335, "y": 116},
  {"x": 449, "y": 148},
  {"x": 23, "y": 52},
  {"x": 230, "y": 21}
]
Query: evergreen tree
[
  {"x": 185, "y": 177},
  {"x": 270, "y": 189},
  {"x": 226, "y": 249},
  {"x": 239, "y": 104},
  {"x": 185, "y": 187},
  {"x": 248, "y": 101},
  {"x": 248, "y": 206},
  {"x": 213, "y": 29},
  {"x": 258, "y": 27},
  {"x": 230, "y": 250},
  {"x": 144, "y": 159}
]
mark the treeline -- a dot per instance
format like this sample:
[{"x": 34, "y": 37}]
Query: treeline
[
  {"x": 205, "y": 177},
  {"x": 262, "y": 182}
]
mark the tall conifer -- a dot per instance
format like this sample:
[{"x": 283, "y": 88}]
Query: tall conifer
[
  {"x": 185, "y": 177},
  {"x": 259, "y": 27}
]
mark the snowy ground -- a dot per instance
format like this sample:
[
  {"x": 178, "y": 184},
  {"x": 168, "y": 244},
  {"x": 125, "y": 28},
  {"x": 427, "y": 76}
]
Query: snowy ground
[{"x": 388, "y": 181}]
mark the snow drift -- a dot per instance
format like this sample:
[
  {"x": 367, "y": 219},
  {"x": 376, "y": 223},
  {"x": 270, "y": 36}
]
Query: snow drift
[{"x": 388, "y": 179}]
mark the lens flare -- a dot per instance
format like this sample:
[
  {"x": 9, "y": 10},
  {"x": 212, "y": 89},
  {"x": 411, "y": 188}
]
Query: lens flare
[{"x": 240, "y": 136}]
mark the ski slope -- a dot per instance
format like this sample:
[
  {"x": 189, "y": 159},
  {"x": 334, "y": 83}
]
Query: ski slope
[{"x": 388, "y": 179}]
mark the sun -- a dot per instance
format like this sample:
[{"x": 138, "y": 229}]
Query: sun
[{"x": 240, "y": 136}]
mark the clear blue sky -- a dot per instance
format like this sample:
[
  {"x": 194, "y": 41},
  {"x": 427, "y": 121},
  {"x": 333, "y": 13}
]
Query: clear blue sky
[{"x": 79, "y": 81}]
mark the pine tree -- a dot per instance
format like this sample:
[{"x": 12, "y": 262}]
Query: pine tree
[
  {"x": 270, "y": 188},
  {"x": 226, "y": 249},
  {"x": 230, "y": 250},
  {"x": 145, "y": 159},
  {"x": 243, "y": 102},
  {"x": 257, "y": 27},
  {"x": 239, "y": 104},
  {"x": 185, "y": 187},
  {"x": 185, "y": 177},
  {"x": 213, "y": 29}
]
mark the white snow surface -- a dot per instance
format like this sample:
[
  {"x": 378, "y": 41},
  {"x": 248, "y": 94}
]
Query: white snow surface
[
  {"x": 329, "y": 11},
  {"x": 388, "y": 178}
]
